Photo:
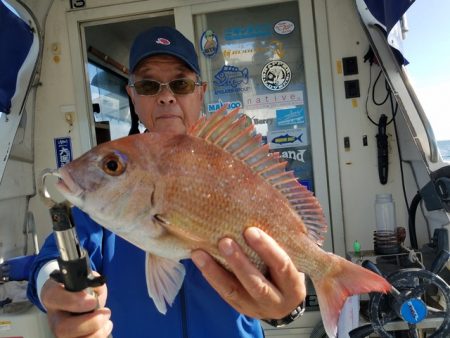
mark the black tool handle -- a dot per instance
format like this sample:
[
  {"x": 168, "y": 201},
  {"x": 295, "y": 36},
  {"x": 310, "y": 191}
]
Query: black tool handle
[
  {"x": 383, "y": 151},
  {"x": 74, "y": 266},
  {"x": 75, "y": 275}
]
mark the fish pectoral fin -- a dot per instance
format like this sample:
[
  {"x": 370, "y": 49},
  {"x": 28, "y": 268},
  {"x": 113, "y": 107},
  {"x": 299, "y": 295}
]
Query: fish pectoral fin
[
  {"x": 180, "y": 233},
  {"x": 185, "y": 236},
  {"x": 164, "y": 280},
  {"x": 160, "y": 220}
]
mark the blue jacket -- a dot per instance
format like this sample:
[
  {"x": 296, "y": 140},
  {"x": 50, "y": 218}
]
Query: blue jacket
[{"x": 198, "y": 311}]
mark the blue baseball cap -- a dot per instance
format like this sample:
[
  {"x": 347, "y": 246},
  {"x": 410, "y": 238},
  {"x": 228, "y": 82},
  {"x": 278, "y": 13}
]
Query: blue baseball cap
[{"x": 163, "y": 40}]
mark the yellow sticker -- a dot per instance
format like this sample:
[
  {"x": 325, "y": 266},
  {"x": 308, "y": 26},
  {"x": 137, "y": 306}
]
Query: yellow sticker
[
  {"x": 354, "y": 103},
  {"x": 339, "y": 66},
  {"x": 5, "y": 325}
]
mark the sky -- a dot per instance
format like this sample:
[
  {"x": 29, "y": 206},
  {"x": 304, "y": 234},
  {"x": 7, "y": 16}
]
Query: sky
[{"x": 427, "y": 48}]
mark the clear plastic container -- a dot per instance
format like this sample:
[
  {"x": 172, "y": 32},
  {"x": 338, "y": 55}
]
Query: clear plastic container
[
  {"x": 385, "y": 236},
  {"x": 385, "y": 213}
]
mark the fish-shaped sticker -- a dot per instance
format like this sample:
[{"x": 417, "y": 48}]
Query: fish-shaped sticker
[
  {"x": 287, "y": 138},
  {"x": 231, "y": 76}
]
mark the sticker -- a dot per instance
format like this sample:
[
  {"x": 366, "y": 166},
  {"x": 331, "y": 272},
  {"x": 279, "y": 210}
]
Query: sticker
[
  {"x": 230, "y": 79},
  {"x": 231, "y": 76},
  {"x": 212, "y": 107},
  {"x": 284, "y": 27},
  {"x": 290, "y": 116},
  {"x": 307, "y": 183},
  {"x": 276, "y": 75},
  {"x": 339, "y": 66},
  {"x": 297, "y": 155},
  {"x": 209, "y": 43},
  {"x": 299, "y": 161},
  {"x": 274, "y": 49},
  {"x": 247, "y": 32},
  {"x": 273, "y": 100},
  {"x": 5, "y": 325},
  {"x": 63, "y": 151},
  {"x": 287, "y": 138},
  {"x": 257, "y": 121}
]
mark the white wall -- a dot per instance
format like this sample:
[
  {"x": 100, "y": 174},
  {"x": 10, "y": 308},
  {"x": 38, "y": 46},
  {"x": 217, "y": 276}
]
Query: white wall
[
  {"x": 358, "y": 166},
  {"x": 54, "y": 93}
]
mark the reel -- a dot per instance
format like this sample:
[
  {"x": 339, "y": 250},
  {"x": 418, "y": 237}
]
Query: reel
[{"x": 409, "y": 307}]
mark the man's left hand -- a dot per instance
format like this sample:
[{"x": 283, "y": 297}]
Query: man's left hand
[{"x": 247, "y": 289}]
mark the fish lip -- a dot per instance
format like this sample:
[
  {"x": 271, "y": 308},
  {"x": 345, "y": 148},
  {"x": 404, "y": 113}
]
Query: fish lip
[{"x": 67, "y": 186}]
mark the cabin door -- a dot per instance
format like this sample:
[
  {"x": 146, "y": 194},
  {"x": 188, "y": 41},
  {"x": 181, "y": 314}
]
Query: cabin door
[
  {"x": 107, "y": 45},
  {"x": 260, "y": 58}
]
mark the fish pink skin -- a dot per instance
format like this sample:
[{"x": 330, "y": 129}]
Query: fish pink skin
[{"x": 171, "y": 194}]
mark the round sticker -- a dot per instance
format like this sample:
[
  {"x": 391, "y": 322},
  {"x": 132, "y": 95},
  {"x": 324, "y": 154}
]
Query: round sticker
[
  {"x": 284, "y": 27},
  {"x": 209, "y": 43},
  {"x": 276, "y": 75}
]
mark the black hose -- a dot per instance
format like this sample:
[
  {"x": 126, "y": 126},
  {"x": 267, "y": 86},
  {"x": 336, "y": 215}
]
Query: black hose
[{"x": 412, "y": 220}]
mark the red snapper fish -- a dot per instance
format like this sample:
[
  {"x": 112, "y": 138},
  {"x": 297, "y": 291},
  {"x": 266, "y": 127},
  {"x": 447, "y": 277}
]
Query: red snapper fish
[{"x": 171, "y": 194}]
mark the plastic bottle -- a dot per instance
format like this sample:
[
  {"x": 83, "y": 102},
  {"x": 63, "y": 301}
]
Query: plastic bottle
[{"x": 385, "y": 213}]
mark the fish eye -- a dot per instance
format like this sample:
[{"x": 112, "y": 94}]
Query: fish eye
[{"x": 113, "y": 165}]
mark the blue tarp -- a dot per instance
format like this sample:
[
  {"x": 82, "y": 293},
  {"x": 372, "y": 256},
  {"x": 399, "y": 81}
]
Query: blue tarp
[
  {"x": 16, "y": 39},
  {"x": 388, "y": 13}
]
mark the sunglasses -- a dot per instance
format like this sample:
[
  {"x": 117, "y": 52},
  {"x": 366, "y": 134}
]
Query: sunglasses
[{"x": 177, "y": 87}]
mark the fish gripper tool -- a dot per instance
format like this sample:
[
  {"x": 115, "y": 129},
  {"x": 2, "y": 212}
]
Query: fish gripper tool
[{"x": 74, "y": 265}]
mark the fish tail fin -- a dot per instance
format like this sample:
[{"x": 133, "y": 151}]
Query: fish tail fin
[{"x": 344, "y": 279}]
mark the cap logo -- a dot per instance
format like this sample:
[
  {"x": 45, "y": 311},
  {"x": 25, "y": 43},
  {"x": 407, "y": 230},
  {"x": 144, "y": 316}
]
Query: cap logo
[{"x": 162, "y": 41}]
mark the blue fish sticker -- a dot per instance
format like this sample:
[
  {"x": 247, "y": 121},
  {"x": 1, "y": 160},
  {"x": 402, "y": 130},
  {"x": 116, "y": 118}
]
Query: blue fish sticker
[
  {"x": 286, "y": 139},
  {"x": 231, "y": 76}
]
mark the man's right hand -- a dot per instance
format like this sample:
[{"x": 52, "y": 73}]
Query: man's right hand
[{"x": 76, "y": 314}]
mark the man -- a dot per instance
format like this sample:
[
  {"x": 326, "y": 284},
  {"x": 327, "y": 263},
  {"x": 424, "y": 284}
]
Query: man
[{"x": 167, "y": 93}]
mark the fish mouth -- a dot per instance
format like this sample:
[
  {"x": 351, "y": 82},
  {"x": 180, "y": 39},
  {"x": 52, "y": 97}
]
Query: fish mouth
[{"x": 68, "y": 187}]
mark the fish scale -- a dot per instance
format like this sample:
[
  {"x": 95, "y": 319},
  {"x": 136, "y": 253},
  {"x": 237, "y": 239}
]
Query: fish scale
[
  {"x": 177, "y": 193},
  {"x": 210, "y": 217}
]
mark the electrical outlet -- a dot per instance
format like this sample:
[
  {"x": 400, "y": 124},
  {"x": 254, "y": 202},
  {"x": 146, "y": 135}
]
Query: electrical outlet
[{"x": 351, "y": 89}]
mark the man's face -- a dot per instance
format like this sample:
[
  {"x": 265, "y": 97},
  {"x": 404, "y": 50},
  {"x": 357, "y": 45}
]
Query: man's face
[{"x": 166, "y": 111}]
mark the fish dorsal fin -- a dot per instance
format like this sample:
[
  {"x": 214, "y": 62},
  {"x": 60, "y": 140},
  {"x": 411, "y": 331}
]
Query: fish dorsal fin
[{"x": 233, "y": 134}]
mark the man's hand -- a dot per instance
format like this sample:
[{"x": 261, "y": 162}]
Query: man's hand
[
  {"x": 247, "y": 290},
  {"x": 76, "y": 314}
]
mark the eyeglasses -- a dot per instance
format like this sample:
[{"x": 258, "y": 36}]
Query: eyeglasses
[{"x": 177, "y": 87}]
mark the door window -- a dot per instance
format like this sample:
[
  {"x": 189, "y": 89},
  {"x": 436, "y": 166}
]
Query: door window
[
  {"x": 252, "y": 59},
  {"x": 107, "y": 46}
]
